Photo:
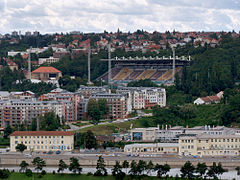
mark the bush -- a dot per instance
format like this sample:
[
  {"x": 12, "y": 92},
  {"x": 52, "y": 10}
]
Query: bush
[
  {"x": 4, "y": 173},
  {"x": 40, "y": 176},
  {"x": 89, "y": 174},
  {"x": 28, "y": 173},
  {"x": 43, "y": 172}
]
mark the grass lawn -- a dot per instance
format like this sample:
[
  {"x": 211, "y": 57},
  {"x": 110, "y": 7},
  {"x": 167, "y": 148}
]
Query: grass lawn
[
  {"x": 19, "y": 176},
  {"x": 108, "y": 129},
  {"x": 79, "y": 124}
]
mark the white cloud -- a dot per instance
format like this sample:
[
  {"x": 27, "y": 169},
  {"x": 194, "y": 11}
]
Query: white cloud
[{"x": 49, "y": 16}]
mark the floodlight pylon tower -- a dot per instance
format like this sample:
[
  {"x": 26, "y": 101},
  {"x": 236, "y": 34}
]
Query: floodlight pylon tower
[
  {"x": 109, "y": 65},
  {"x": 29, "y": 63},
  {"x": 173, "y": 68},
  {"x": 89, "y": 65}
]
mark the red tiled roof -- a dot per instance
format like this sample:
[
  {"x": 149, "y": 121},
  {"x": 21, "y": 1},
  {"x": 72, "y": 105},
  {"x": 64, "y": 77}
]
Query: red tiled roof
[
  {"x": 42, "y": 133},
  {"x": 46, "y": 70},
  {"x": 210, "y": 98}
]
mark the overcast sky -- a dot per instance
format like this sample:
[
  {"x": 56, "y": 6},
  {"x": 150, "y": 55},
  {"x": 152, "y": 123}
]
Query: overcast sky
[{"x": 49, "y": 16}]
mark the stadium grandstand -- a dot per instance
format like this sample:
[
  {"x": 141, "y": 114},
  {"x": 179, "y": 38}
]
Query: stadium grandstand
[{"x": 158, "y": 69}]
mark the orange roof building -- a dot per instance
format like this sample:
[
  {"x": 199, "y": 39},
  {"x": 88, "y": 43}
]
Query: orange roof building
[{"x": 46, "y": 73}]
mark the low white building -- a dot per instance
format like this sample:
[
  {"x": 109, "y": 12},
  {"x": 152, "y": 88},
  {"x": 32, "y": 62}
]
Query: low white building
[
  {"x": 47, "y": 60},
  {"x": 152, "y": 148}
]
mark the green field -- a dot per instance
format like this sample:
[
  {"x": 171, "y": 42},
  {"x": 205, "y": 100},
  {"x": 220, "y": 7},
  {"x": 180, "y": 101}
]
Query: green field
[
  {"x": 19, "y": 176},
  {"x": 108, "y": 129}
]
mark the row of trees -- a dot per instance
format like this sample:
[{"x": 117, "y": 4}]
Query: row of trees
[{"x": 133, "y": 168}]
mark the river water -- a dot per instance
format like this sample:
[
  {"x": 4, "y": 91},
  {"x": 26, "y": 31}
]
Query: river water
[{"x": 173, "y": 172}]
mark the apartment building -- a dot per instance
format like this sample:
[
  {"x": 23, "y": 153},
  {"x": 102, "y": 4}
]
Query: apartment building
[
  {"x": 171, "y": 134},
  {"x": 15, "y": 111},
  {"x": 42, "y": 140},
  {"x": 117, "y": 104},
  {"x": 87, "y": 91},
  {"x": 209, "y": 145},
  {"x": 145, "y": 97}
]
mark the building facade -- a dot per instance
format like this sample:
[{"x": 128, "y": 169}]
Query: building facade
[
  {"x": 43, "y": 140},
  {"x": 209, "y": 145}
]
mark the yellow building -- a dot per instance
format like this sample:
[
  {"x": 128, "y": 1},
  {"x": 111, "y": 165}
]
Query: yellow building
[
  {"x": 209, "y": 145},
  {"x": 43, "y": 140}
]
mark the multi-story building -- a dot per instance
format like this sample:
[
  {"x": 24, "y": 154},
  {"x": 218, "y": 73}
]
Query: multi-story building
[
  {"x": 145, "y": 97},
  {"x": 172, "y": 134},
  {"x": 209, "y": 145},
  {"x": 87, "y": 91},
  {"x": 43, "y": 140},
  {"x": 117, "y": 104},
  {"x": 15, "y": 112}
]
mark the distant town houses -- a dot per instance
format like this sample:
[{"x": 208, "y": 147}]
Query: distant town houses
[
  {"x": 209, "y": 99},
  {"x": 137, "y": 41}
]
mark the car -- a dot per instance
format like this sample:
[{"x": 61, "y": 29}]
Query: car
[
  {"x": 27, "y": 155},
  {"x": 44, "y": 152},
  {"x": 58, "y": 152},
  {"x": 50, "y": 152}
]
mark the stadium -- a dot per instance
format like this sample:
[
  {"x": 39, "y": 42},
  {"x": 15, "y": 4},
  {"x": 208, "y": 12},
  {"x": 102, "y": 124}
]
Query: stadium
[{"x": 160, "y": 70}]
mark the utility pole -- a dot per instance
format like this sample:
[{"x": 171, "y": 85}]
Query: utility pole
[
  {"x": 174, "y": 58},
  {"x": 89, "y": 66},
  {"x": 109, "y": 64},
  {"x": 29, "y": 63}
]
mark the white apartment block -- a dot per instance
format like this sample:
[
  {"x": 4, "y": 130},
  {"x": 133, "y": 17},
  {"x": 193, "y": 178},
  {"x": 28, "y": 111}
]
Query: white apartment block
[
  {"x": 145, "y": 97},
  {"x": 47, "y": 60}
]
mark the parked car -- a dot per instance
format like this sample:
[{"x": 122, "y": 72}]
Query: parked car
[
  {"x": 58, "y": 152},
  {"x": 50, "y": 152},
  {"x": 27, "y": 155}
]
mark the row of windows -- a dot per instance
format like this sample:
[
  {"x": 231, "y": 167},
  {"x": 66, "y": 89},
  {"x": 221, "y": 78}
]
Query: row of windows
[
  {"x": 40, "y": 142},
  {"x": 221, "y": 140},
  {"x": 16, "y": 137}
]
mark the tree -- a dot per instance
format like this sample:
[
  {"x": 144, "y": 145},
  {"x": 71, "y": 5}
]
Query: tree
[
  {"x": 220, "y": 169},
  {"x": 162, "y": 170},
  {"x": 93, "y": 110},
  {"x": 38, "y": 163},
  {"x": 117, "y": 171},
  {"x": 238, "y": 170},
  {"x": 187, "y": 170},
  {"x": 141, "y": 166},
  {"x": 49, "y": 122},
  {"x": 150, "y": 167},
  {"x": 201, "y": 169},
  {"x": 103, "y": 107},
  {"x": 4, "y": 173},
  {"x": 62, "y": 166},
  {"x": 101, "y": 170},
  {"x": 89, "y": 140},
  {"x": 28, "y": 172},
  {"x": 21, "y": 147},
  {"x": 8, "y": 130},
  {"x": 125, "y": 165},
  {"x": 23, "y": 166},
  {"x": 74, "y": 166},
  {"x": 133, "y": 171},
  {"x": 34, "y": 124}
]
